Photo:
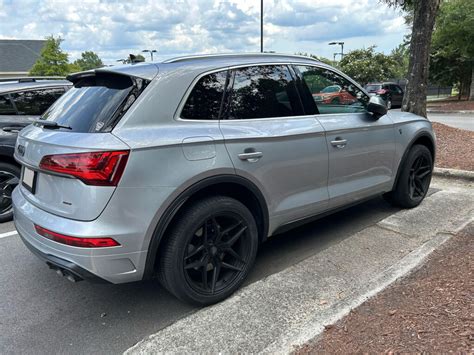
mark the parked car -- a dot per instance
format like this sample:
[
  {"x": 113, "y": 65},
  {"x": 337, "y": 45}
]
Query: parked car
[
  {"x": 334, "y": 94},
  {"x": 390, "y": 92},
  {"x": 21, "y": 101},
  {"x": 179, "y": 170}
]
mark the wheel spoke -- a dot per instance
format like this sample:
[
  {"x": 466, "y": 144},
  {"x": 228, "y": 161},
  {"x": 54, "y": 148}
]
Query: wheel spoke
[
  {"x": 215, "y": 276},
  {"x": 423, "y": 174},
  {"x": 231, "y": 267},
  {"x": 196, "y": 264},
  {"x": 235, "y": 237},
  {"x": 234, "y": 255},
  {"x": 226, "y": 231},
  {"x": 204, "y": 278},
  {"x": 194, "y": 252}
]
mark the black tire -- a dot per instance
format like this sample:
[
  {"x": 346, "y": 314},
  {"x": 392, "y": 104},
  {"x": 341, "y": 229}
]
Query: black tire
[
  {"x": 414, "y": 180},
  {"x": 214, "y": 236},
  {"x": 9, "y": 178}
]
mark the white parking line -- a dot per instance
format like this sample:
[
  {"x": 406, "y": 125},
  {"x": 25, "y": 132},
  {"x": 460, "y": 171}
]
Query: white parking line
[{"x": 8, "y": 234}]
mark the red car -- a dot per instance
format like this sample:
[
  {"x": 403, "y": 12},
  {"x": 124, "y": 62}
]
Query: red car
[{"x": 335, "y": 95}]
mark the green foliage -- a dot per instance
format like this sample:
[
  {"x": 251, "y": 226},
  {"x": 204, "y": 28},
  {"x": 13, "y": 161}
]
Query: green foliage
[
  {"x": 401, "y": 56},
  {"x": 321, "y": 59},
  {"x": 52, "y": 60},
  {"x": 365, "y": 65},
  {"x": 89, "y": 60},
  {"x": 452, "y": 50}
]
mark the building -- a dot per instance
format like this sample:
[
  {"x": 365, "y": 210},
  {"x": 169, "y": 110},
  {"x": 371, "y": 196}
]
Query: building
[{"x": 18, "y": 56}]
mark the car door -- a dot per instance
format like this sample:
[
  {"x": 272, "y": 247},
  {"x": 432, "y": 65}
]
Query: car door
[
  {"x": 361, "y": 148},
  {"x": 397, "y": 94},
  {"x": 10, "y": 122},
  {"x": 273, "y": 143}
]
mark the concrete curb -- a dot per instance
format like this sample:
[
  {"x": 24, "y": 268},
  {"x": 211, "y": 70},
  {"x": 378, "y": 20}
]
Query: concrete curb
[{"x": 454, "y": 173}]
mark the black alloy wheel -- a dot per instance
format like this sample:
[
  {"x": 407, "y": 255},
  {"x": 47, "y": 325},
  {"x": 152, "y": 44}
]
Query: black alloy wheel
[
  {"x": 209, "y": 250},
  {"x": 414, "y": 180},
  {"x": 216, "y": 253},
  {"x": 9, "y": 179},
  {"x": 419, "y": 177}
]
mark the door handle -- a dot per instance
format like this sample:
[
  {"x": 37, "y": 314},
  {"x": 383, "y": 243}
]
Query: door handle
[
  {"x": 250, "y": 156},
  {"x": 13, "y": 129},
  {"x": 339, "y": 142}
]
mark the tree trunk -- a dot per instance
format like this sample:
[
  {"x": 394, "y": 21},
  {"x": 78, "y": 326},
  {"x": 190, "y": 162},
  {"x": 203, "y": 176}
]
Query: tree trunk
[
  {"x": 471, "y": 94},
  {"x": 423, "y": 21}
]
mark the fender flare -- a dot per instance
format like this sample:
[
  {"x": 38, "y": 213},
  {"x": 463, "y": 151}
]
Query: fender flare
[{"x": 179, "y": 201}]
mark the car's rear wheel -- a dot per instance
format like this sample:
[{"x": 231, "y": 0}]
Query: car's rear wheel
[
  {"x": 414, "y": 180},
  {"x": 9, "y": 178},
  {"x": 389, "y": 103},
  {"x": 209, "y": 251}
]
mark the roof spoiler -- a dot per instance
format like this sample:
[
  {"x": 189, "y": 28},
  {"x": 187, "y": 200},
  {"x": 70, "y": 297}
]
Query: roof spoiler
[{"x": 145, "y": 71}]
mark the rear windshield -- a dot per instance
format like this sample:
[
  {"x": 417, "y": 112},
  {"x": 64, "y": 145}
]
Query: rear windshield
[
  {"x": 95, "y": 103},
  {"x": 373, "y": 88}
]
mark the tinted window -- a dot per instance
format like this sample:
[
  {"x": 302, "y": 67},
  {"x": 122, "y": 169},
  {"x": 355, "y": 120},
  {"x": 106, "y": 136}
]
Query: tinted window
[
  {"x": 262, "y": 92},
  {"x": 322, "y": 84},
  {"x": 95, "y": 103},
  {"x": 205, "y": 100},
  {"x": 35, "y": 102},
  {"x": 6, "y": 107}
]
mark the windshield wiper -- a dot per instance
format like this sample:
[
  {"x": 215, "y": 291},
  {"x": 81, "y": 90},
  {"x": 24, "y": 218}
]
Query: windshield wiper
[{"x": 50, "y": 124}]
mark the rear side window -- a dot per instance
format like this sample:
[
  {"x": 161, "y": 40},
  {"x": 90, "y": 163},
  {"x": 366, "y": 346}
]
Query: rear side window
[
  {"x": 95, "y": 103},
  {"x": 264, "y": 92},
  {"x": 6, "y": 107},
  {"x": 205, "y": 100},
  {"x": 373, "y": 88},
  {"x": 35, "y": 102}
]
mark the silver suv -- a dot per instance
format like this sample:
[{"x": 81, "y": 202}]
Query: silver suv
[{"x": 181, "y": 169}]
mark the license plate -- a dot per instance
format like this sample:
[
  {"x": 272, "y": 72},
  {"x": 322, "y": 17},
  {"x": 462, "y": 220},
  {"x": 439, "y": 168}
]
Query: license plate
[{"x": 29, "y": 179}]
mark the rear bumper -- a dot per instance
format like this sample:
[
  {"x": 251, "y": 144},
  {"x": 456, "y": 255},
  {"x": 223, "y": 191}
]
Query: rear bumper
[
  {"x": 115, "y": 264},
  {"x": 66, "y": 268}
]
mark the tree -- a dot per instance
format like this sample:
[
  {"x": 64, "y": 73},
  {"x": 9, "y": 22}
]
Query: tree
[
  {"x": 320, "y": 59},
  {"x": 52, "y": 60},
  {"x": 365, "y": 65},
  {"x": 401, "y": 55},
  {"x": 452, "y": 55},
  {"x": 89, "y": 60},
  {"x": 424, "y": 16}
]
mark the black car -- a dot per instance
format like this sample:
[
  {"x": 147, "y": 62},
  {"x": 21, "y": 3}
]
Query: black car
[
  {"x": 390, "y": 92},
  {"x": 21, "y": 101}
]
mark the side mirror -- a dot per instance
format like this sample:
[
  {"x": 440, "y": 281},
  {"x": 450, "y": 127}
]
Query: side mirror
[{"x": 377, "y": 106}]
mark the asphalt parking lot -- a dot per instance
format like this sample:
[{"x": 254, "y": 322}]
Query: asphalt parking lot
[{"x": 42, "y": 312}]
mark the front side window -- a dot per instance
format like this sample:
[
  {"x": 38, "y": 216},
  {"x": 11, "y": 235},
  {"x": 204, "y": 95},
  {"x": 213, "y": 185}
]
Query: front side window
[
  {"x": 263, "y": 92},
  {"x": 35, "y": 102},
  {"x": 205, "y": 100},
  {"x": 6, "y": 107},
  {"x": 331, "y": 92}
]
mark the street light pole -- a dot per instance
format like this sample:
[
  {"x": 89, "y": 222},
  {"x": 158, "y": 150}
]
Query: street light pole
[
  {"x": 261, "y": 26},
  {"x": 342, "y": 47},
  {"x": 151, "y": 51}
]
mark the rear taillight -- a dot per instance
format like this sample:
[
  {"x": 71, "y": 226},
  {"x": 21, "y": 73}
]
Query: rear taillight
[
  {"x": 93, "y": 168},
  {"x": 75, "y": 241},
  {"x": 381, "y": 92}
]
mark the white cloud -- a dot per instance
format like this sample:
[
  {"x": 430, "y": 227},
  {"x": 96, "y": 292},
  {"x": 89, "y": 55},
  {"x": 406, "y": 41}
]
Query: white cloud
[{"x": 116, "y": 28}]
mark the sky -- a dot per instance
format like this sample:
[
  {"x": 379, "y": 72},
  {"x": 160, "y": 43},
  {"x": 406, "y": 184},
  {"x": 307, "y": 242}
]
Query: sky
[{"x": 115, "y": 28}]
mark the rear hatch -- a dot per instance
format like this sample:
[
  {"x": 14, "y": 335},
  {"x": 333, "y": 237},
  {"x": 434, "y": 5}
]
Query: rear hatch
[{"x": 71, "y": 161}]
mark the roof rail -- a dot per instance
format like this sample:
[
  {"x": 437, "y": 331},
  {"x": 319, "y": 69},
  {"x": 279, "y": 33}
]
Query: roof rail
[
  {"x": 30, "y": 79},
  {"x": 199, "y": 56}
]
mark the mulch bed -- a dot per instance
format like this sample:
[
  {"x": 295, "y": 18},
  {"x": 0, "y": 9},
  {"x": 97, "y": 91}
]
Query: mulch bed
[
  {"x": 452, "y": 104},
  {"x": 432, "y": 310},
  {"x": 454, "y": 147}
]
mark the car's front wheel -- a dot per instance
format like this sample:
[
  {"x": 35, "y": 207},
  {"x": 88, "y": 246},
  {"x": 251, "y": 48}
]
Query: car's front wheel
[
  {"x": 414, "y": 180},
  {"x": 209, "y": 251},
  {"x": 9, "y": 178}
]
